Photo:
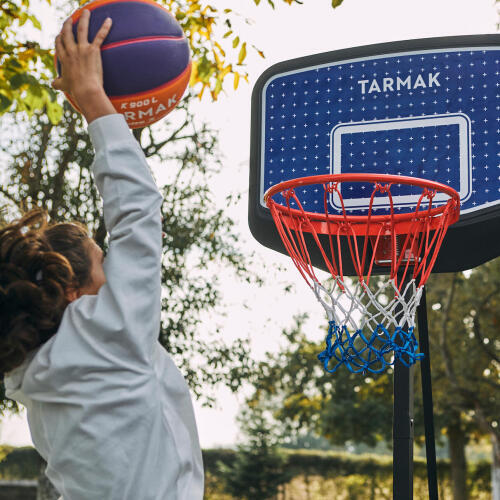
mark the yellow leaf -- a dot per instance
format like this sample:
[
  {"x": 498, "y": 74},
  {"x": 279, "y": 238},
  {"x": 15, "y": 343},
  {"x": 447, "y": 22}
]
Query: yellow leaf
[
  {"x": 228, "y": 69},
  {"x": 236, "y": 41},
  {"x": 221, "y": 49},
  {"x": 243, "y": 53},
  {"x": 195, "y": 7},
  {"x": 200, "y": 95},
  {"x": 27, "y": 54},
  {"x": 236, "y": 80},
  {"x": 260, "y": 52},
  {"x": 217, "y": 58},
  {"x": 218, "y": 88},
  {"x": 194, "y": 73}
]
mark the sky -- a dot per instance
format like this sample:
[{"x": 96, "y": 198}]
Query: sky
[{"x": 285, "y": 33}]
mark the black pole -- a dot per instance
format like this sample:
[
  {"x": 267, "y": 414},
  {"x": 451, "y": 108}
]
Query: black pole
[
  {"x": 425, "y": 370},
  {"x": 402, "y": 425},
  {"x": 402, "y": 430}
]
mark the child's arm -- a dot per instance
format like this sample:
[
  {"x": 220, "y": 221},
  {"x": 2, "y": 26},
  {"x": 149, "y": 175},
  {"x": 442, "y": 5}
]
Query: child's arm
[
  {"x": 127, "y": 313},
  {"x": 122, "y": 323}
]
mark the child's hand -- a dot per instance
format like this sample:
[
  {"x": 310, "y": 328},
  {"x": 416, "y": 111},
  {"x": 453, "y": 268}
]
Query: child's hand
[{"x": 81, "y": 67}]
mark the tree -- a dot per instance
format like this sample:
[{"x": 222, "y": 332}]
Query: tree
[
  {"x": 342, "y": 408},
  {"x": 23, "y": 85},
  {"x": 26, "y": 69},
  {"x": 259, "y": 467},
  {"x": 465, "y": 318}
]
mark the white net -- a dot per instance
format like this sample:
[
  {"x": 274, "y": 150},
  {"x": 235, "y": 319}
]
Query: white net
[
  {"x": 369, "y": 329},
  {"x": 359, "y": 307}
]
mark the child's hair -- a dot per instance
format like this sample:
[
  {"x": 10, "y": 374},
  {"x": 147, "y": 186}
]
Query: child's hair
[{"x": 39, "y": 263}]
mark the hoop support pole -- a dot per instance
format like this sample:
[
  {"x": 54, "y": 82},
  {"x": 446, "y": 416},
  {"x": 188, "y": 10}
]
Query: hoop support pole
[
  {"x": 425, "y": 370},
  {"x": 402, "y": 429}
]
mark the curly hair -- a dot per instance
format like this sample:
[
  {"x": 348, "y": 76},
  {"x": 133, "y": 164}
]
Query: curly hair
[{"x": 39, "y": 263}]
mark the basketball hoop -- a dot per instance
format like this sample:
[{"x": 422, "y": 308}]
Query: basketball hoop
[{"x": 370, "y": 327}]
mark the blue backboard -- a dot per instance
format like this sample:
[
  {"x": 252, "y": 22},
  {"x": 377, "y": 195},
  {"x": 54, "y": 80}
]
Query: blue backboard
[{"x": 423, "y": 108}]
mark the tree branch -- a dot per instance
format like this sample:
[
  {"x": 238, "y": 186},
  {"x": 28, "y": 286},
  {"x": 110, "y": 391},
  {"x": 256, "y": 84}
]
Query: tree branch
[
  {"x": 154, "y": 148},
  {"x": 8, "y": 196},
  {"x": 478, "y": 334}
]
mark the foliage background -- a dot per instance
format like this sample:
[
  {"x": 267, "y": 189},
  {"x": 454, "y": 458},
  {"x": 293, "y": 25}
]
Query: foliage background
[
  {"x": 318, "y": 475},
  {"x": 364, "y": 31}
]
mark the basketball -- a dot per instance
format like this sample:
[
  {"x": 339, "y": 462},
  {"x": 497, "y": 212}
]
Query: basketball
[{"x": 146, "y": 58}]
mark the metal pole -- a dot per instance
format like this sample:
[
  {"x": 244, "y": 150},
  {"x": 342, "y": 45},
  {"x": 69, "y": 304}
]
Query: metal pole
[
  {"x": 402, "y": 430},
  {"x": 425, "y": 370},
  {"x": 403, "y": 433}
]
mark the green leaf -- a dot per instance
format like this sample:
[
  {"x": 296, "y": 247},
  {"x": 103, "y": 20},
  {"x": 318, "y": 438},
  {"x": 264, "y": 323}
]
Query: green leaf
[
  {"x": 35, "y": 22},
  {"x": 34, "y": 86},
  {"x": 4, "y": 103},
  {"x": 236, "y": 41},
  {"x": 23, "y": 17},
  {"x": 13, "y": 65},
  {"x": 54, "y": 111},
  {"x": 33, "y": 101},
  {"x": 18, "y": 80},
  {"x": 336, "y": 3}
]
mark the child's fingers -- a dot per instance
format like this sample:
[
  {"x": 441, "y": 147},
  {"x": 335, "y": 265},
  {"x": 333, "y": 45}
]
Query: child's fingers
[
  {"x": 60, "y": 52},
  {"x": 67, "y": 38},
  {"x": 82, "y": 32},
  {"x": 57, "y": 84},
  {"x": 102, "y": 33}
]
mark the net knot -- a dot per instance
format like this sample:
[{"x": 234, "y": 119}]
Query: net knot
[
  {"x": 331, "y": 187},
  {"x": 344, "y": 227},
  {"x": 429, "y": 193},
  {"x": 382, "y": 188},
  {"x": 304, "y": 223}
]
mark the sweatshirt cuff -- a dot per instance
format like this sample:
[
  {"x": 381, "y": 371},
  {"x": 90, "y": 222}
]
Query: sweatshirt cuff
[{"x": 108, "y": 129}]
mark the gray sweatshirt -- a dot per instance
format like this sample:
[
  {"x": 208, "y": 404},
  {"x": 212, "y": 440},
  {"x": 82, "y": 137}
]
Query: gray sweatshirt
[{"x": 107, "y": 408}]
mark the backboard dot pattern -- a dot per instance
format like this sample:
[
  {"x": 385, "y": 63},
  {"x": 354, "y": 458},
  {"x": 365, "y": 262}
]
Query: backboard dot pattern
[{"x": 432, "y": 114}]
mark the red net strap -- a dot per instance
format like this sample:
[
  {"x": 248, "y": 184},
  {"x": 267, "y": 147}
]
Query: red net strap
[{"x": 409, "y": 244}]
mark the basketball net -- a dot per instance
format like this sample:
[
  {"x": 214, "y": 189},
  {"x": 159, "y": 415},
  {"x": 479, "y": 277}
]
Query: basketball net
[{"x": 371, "y": 319}]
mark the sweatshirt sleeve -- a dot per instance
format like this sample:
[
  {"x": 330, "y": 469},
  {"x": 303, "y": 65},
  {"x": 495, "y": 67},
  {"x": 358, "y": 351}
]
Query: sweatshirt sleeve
[{"x": 124, "y": 318}]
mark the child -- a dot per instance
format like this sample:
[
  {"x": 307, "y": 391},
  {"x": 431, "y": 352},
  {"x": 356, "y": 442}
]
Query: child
[{"x": 107, "y": 408}]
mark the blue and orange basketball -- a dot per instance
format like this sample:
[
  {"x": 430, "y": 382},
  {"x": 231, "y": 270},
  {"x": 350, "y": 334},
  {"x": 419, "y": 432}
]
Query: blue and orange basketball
[{"x": 146, "y": 58}]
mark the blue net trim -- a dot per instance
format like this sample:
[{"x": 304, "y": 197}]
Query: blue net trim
[{"x": 374, "y": 355}]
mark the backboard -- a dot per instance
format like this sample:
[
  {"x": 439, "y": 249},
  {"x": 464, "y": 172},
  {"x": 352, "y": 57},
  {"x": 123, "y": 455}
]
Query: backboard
[{"x": 425, "y": 108}]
